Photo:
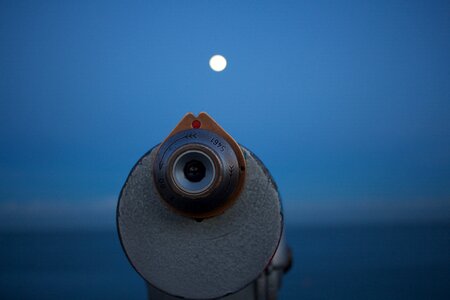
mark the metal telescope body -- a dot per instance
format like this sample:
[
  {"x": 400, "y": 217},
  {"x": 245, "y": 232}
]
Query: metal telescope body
[{"x": 200, "y": 217}]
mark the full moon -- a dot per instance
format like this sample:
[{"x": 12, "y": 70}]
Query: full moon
[{"x": 218, "y": 63}]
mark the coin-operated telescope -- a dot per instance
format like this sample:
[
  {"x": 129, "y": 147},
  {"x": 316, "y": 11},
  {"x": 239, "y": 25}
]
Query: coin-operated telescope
[{"x": 200, "y": 217}]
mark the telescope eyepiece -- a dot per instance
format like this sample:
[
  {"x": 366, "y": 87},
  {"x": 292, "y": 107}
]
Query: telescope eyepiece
[{"x": 199, "y": 171}]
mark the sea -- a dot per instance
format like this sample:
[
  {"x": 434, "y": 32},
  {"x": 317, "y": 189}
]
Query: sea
[{"x": 407, "y": 261}]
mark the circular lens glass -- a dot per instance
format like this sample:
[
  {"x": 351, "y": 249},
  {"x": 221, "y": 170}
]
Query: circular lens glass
[{"x": 193, "y": 172}]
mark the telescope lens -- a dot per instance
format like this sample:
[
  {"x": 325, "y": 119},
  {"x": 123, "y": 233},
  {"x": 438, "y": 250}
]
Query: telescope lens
[
  {"x": 194, "y": 170},
  {"x": 198, "y": 172}
]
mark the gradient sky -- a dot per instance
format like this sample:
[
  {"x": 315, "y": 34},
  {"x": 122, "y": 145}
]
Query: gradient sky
[{"x": 344, "y": 101}]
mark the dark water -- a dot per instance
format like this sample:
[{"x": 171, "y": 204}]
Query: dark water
[{"x": 371, "y": 262}]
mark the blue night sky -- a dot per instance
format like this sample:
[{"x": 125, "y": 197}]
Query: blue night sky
[{"x": 347, "y": 102}]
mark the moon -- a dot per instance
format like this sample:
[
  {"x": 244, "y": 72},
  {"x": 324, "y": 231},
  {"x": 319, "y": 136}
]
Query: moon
[{"x": 218, "y": 63}]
